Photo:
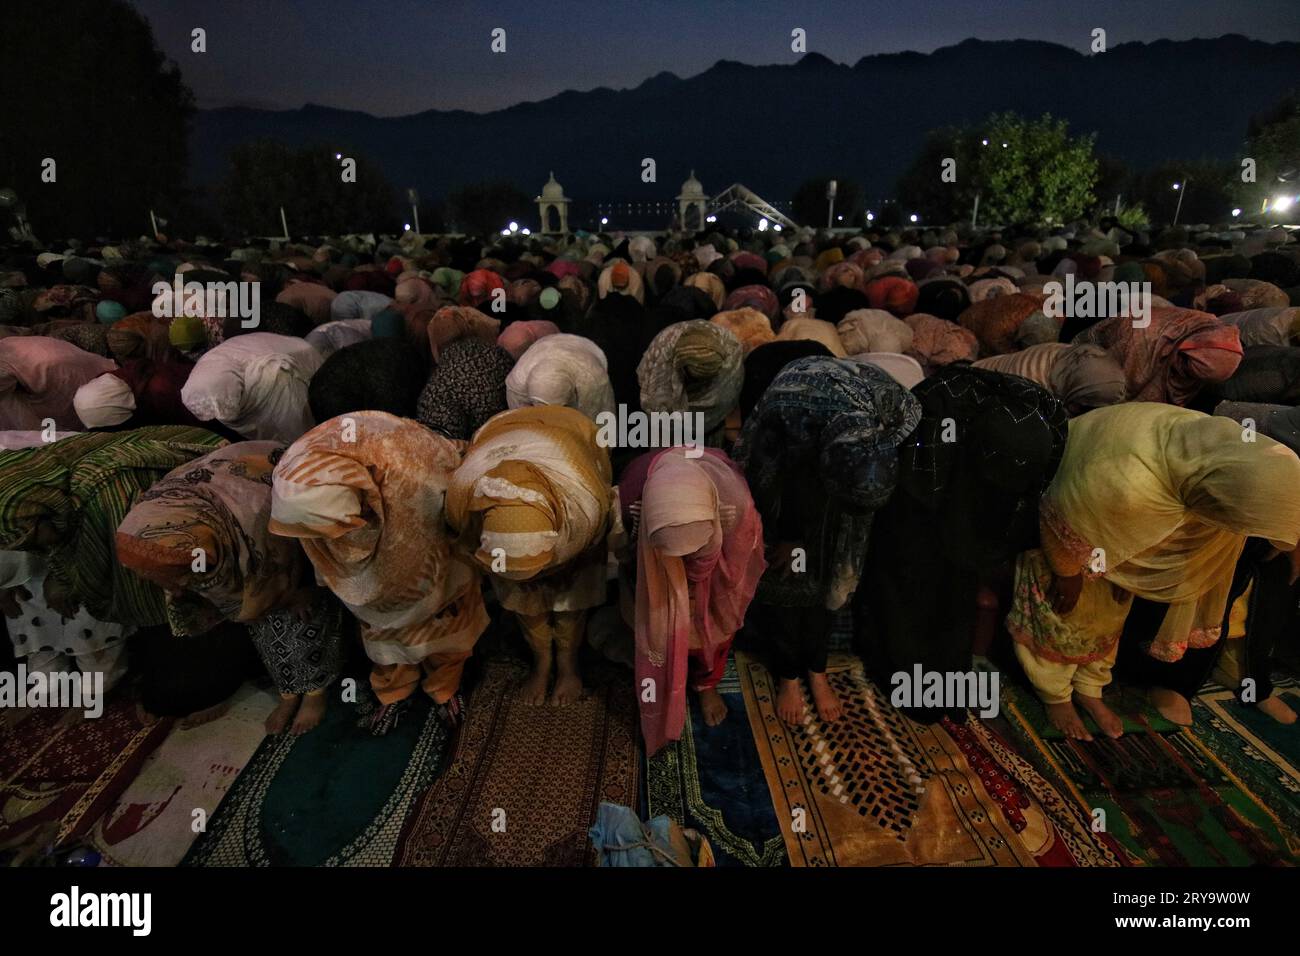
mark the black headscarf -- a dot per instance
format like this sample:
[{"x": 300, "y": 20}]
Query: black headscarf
[
  {"x": 764, "y": 363},
  {"x": 384, "y": 375},
  {"x": 970, "y": 477}
]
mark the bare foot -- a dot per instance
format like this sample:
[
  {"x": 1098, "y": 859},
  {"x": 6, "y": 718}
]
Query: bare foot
[
  {"x": 1276, "y": 708},
  {"x": 824, "y": 697},
  {"x": 1110, "y": 723},
  {"x": 278, "y": 719},
  {"x": 1171, "y": 705},
  {"x": 789, "y": 701},
  {"x": 712, "y": 707},
  {"x": 568, "y": 688},
  {"x": 310, "y": 713},
  {"x": 533, "y": 690},
  {"x": 1067, "y": 720},
  {"x": 205, "y": 716},
  {"x": 144, "y": 716}
]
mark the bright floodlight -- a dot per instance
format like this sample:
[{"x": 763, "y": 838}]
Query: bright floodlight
[
  {"x": 1004, "y": 145},
  {"x": 1283, "y": 203},
  {"x": 839, "y": 218},
  {"x": 1236, "y": 212},
  {"x": 527, "y": 232},
  {"x": 505, "y": 232},
  {"x": 1176, "y": 185},
  {"x": 984, "y": 142},
  {"x": 776, "y": 227},
  {"x": 604, "y": 220},
  {"x": 338, "y": 155},
  {"x": 870, "y": 216},
  {"x": 915, "y": 217},
  {"x": 406, "y": 226},
  {"x": 514, "y": 226},
  {"x": 762, "y": 224},
  {"x": 711, "y": 219}
]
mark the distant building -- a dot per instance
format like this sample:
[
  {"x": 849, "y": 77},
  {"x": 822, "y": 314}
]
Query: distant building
[{"x": 553, "y": 208}]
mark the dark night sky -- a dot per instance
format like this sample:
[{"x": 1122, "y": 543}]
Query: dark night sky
[{"x": 402, "y": 56}]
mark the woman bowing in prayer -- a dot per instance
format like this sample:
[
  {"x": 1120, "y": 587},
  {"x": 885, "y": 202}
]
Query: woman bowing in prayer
[
  {"x": 820, "y": 453},
  {"x": 39, "y": 378},
  {"x": 966, "y": 504},
  {"x": 65, "y": 501},
  {"x": 695, "y": 541},
  {"x": 255, "y": 384},
  {"x": 531, "y": 506},
  {"x": 695, "y": 368},
  {"x": 1153, "y": 501},
  {"x": 364, "y": 493},
  {"x": 1082, "y": 376},
  {"x": 562, "y": 369},
  {"x": 201, "y": 535},
  {"x": 1173, "y": 356}
]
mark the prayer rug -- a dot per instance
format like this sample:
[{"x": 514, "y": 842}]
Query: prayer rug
[
  {"x": 60, "y": 771},
  {"x": 712, "y": 781},
  {"x": 336, "y": 796},
  {"x": 1163, "y": 792},
  {"x": 525, "y": 782},
  {"x": 876, "y": 788},
  {"x": 1255, "y": 748},
  {"x": 158, "y": 817}
]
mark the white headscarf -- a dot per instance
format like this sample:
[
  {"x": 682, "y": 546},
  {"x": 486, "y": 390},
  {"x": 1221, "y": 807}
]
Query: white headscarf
[
  {"x": 562, "y": 369},
  {"x": 103, "y": 402},
  {"x": 255, "y": 384}
]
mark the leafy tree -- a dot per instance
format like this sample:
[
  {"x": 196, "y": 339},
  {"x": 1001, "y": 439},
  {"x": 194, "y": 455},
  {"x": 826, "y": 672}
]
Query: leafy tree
[
  {"x": 1274, "y": 143},
  {"x": 922, "y": 190},
  {"x": 1022, "y": 170},
  {"x": 308, "y": 182},
  {"x": 85, "y": 85},
  {"x": 485, "y": 208},
  {"x": 809, "y": 205}
]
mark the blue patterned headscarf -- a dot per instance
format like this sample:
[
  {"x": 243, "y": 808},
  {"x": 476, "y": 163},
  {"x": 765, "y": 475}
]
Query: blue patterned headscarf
[{"x": 820, "y": 452}]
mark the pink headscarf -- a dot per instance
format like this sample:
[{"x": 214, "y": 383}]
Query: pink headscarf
[
  {"x": 310, "y": 298},
  {"x": 518, "y": 336},
  {"x": 699, "y": 560},
  {"x": 39, "y": 377}
]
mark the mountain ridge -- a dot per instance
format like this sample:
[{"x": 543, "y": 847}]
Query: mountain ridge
[{"x": 771, "y": 126}]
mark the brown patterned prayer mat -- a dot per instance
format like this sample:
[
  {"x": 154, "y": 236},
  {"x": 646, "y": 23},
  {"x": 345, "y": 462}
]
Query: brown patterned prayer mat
[
  {"x": 876, "y": 788},
  {"x": 525, "y": 782}
]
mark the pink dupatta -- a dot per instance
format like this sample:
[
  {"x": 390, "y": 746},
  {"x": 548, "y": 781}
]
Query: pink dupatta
[{"x": 699, "y": 560}]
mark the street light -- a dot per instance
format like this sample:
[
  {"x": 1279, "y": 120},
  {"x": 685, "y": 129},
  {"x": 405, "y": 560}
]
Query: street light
[
  {"x": 514, "y": 226},
  {"x": 870, "y": 216},
  {"x": 1236, "y": 213},
  {"x": 1181, "y": 189},
  {"x": 604, "y": 220},
  {"x": 915, "y": 218}
]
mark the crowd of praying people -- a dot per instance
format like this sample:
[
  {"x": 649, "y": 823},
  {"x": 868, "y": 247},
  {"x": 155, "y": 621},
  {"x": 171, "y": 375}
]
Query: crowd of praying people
[{"x": 401, "y": 448}]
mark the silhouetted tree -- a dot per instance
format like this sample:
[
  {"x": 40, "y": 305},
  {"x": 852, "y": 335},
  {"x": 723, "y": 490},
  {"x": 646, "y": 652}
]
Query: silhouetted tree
[
  {"x": 1273, "y": 141},
  {"x": 486, "y": 208},
  {"x": 308, "y": 183},
  {"x": 85, "y": 85},
  {"x": 809, "y": 205}
]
